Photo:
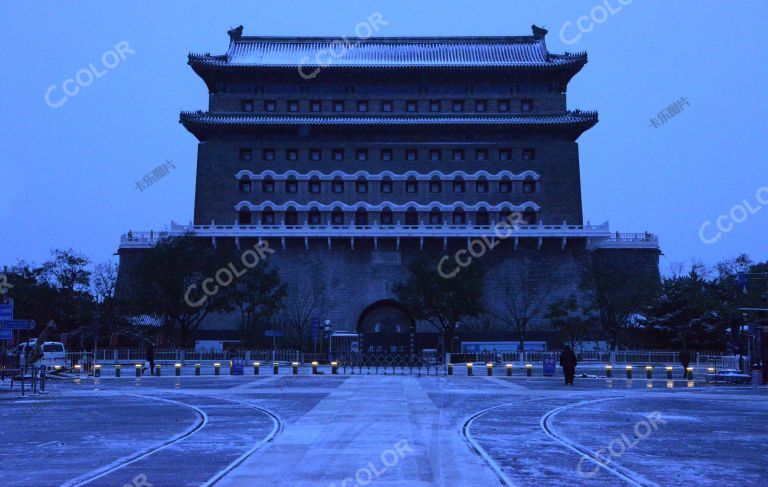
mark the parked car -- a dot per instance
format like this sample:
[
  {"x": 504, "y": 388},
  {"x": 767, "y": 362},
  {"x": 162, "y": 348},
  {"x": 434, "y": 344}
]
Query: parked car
[
  {"x": 54, "y": 353},
  {"x": 729, "y": 376}
]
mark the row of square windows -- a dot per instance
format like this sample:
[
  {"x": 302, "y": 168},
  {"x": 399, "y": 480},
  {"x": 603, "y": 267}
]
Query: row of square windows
[
  {"x": 526, "y": 154},
  {"x": 364, "y": 106},
  {"x": 315, "y": 186},
  {"x": 386, "y": 217}
]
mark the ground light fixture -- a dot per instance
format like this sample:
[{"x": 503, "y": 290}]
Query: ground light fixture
[
  {"x": 509, "y": 370},
  {"x": 256, "y": 366},
  {"x": 668, "y": 368},
  {"x": 469, "y": 368},
  {"x": 295, "y": 368},
  {"x": 138, "y": 368},
  {"x": 314, "y": 368},
  {"x": 96, "y": 370},
  {"x": 629, "y": 371},
  {"x": 216, "y": 368},
  {"x": 178, "y": 369},
  {"x": 648, "y": 372},
  {"x": 609, "y": 371},
  {"x": 197, "y": 369},
  {"x": 489, "y": 369},
  {"x": 334, "y": 367},
  {"x": 528, "y": 370}
]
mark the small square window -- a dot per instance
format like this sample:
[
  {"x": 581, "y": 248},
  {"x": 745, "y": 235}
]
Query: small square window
[
  {"x": 314, "y": 154},
  {"x": 245, "y": 185},
  {"x": 458, "y": 154},
  {"x": 361, "y": 186},
  {"x": 526, "y": 105},
  {"x": 337, "y": 187},
  {"x": 482, "y": 186},
  {"x": 434, "y": 106},
  {"x": 247, "y": 105},
  {"x": 314, "y": 186},
  {"x": 338, "y": 154},
  {"x": 435, "y": 187},
  {"x": 457, "y": 105},
  {"x": 270, "y": 105},
  {"x": 505, "y": 187},
  {"x": 292, "y": 154},
  {"x": 386, "y": 154},
  {"x": 268, "y": 186},
  {"x": 316, "y": 106},
  {"x": 291, "y": 186},
  {"x": 386, "y": 186},
  {"x": 386, "y": 106},
  {"x": 481, "y": 105},
  {"x": 268, "y": 154},
  {"x": 505, "y": 154},
  {"x": 458, "y": 186},
  {"x": 411, "y": 187},
  {"x": 338, "y": 106},
  {"x": 361, "y": 154},
  {"x": 529, "y": 186},
  {"x": 246, "y": 154},
  {"x": 362, "y": 106},
  {"x": 412, "y": 106},
  {"x": 503, "y": 106},
  {"x": 411, "y": 154},
  {"x": 482, "y": 154},
  {"x": 293, "y": 106},
  {"x": 529, "y": 154},
  {"x": 435, "y": 154}
]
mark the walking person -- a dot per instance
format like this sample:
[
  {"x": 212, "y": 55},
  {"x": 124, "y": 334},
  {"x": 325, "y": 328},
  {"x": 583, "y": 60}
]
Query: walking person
[
  {"x": 151, "y": 357},
  {"x": 685, "y": 360},
  {"x": 568, "y": 363}
]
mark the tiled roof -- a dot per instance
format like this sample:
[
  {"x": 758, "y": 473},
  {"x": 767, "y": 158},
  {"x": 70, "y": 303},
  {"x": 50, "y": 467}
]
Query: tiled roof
[
  {"x": 227, "y": 119},
  {"x": 389, "y": 52}
]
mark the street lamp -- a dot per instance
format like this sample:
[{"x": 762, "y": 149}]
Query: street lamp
[{"x": 327, "y": 329}]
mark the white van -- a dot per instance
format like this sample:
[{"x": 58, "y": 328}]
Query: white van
[{"x": 53, "y": 353}]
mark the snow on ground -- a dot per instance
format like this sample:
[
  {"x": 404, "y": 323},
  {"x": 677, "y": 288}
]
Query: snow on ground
[{"x": 382, "y": 430}]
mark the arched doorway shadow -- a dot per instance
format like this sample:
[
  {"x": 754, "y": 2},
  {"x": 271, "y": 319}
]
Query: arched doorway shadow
[{"x": 386, "y": 327}]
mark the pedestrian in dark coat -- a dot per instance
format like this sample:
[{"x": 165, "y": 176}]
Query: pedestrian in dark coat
[
  {"x": 151, "y": 357},
  {"x": 568, "y": 363},
  {"x": 685, "y": 360}
]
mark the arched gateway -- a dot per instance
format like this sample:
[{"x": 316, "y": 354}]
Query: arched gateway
[{"x": 386, "y": 327}]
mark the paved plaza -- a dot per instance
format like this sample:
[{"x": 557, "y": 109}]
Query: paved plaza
[{"x": 348, "y": 430}]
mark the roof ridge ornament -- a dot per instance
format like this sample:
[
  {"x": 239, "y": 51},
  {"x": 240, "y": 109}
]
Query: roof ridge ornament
[
  {"x": 235, "y": 34},
  {"x": 539, "y": 32}
]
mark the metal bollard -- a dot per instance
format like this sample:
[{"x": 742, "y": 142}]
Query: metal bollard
[
  {"x": 139, "y": 369},
  {"x": 117, "y": 370},
  {"x": 669, "y": 372},
  {"x": 469, "y": 369},
  {"x": 450, "y": 369},
  {"x": 648, "y": 372},
  {"x": 528, "y": 370},
  {"x": 178, "y": 370},
  {"x": 97, "y": 370},
  {"x": 690, "y": 373},
  {"x": 157, "y": 370},
  {"x": 78, "y": 369},
  {"x": 275, "y": 367},
  {"x": 334, "y": 368},
  {"x": 256, "y": 368},
  {"x": 609, "y": 371},
  {"x": 629, "y": 371},
  {"x": 509, "y": 370},
  {"x": 314, "y": 368},
  {"x": 216, "y": 368},
  {"x": 489, "y": 369},
  {"x": 295, "y": 368},
  {"x": 197, "y": 369}
]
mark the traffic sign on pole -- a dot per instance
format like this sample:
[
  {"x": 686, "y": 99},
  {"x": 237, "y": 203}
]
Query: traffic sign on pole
[{"x": 17, "y": 324}]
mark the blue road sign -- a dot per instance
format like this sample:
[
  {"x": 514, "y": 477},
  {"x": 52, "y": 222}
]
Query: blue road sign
[
  {"x": 16, "y": 324},
  {"x": 6, "y": 334},
  {"x": 6, "y": 312},
  {"x": 274, "y": 333},
  {"x": 315, "y": 329},
  {"x": 549, "y": 366},
  {"x": 237, "y": 367}
]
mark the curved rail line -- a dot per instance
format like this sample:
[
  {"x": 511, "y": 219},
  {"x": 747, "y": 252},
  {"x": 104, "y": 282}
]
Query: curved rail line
[
  {"x": 277, "y": 427},
  {"x": 632, "y": 478},
  {"x": 475, "y": 446},
  {"x": 123, "y": 462}
]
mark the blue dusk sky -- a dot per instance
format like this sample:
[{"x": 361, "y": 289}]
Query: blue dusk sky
[{"x": 69, "y": 173}]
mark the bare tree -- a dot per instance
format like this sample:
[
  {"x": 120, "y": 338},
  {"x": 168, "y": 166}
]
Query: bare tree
[
  {"x": 524, "y": 291},
  {"x": 104, "y": 280},
  {"x": 305, "y": 299}
]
